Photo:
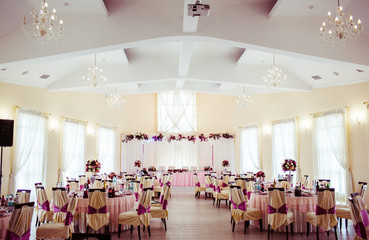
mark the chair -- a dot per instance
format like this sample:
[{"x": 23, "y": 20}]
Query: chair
[
  {"x": 141, "y": 216},
  {"x": 161, "y": 198},
  {"x": 98, "y": 184},
  {"x": 250, "y": 182},
  {"x": 136, "y": 190},
  {"x": 97, "y": 215},
  {"x": 240, "y": 211},
  {"x": 325, "y": 215},
  {"x": 277, "y": 211},
  {"x": 208, "y": 186},
  {"x": 20, "y": 222},
  {"x": 162, "y": 211},
  {"x": 198, "y": 187},
  {"x": 59, "y": 230},
  {"x": 44, "y": 214},
  {"x": 73, "y": 185},
  {"x": 242, "y": 183},
  {"x": 60, "y": 204},
  {"x": 360, "y": 216},
  {"x": 24, "y": 195},
  {"x": 220, "y": 194},
  {"x": 82, "y": 181},
  {"x": 323, "y": 183}
]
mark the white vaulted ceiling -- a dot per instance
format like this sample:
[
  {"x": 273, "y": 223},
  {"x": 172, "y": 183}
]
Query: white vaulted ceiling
[{"x": 151, "y": 45}]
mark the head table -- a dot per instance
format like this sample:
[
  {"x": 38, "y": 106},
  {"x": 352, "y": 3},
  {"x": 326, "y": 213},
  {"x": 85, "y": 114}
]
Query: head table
[
  {"x": 185, "y": 179},
  {"x": 298, "y": 205}
]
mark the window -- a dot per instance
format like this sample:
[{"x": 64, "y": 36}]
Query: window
[
  {"x": 330, "y": 145},
  {"x": 106, "y": 148},
  {"x": 250, "y": 149},
  {"x": 177, "y": 112},
  {"x": 283, "y": 144},
  {"x": 29, "y": 165},
  {"x": 73, "y": 149}
]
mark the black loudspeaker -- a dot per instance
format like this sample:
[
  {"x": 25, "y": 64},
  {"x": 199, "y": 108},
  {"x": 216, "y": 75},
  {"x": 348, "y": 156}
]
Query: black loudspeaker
[{"x": 6, "y": 132}]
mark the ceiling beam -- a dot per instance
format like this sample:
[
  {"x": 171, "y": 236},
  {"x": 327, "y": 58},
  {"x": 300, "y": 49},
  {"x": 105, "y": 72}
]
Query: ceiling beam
[
  {"x": 185, "y": 55},
  {"x": 180, "y": 83},
  {"x": 242, "y": 57}
]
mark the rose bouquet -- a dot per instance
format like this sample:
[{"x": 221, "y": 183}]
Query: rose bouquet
[
  {"x": 152, "y": 169},
  {"x": 207, "y": 168},
  {"x": 289, "y": 165},
  {"x": 93, "y": 166},
  {"x": 225, "y": 163},
  {"x": 260, "y": 174},
  {"x": 138, "y": 163}
]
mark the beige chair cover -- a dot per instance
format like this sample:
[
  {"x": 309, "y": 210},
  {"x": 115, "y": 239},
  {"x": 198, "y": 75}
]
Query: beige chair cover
[
  {"x": 60, "y": 205},
  {"x": 136, "y": 190},
  {"x": 220, "y": 194},
  {"x": 161, "y": 211},
  {"x": 226, "y": 179},
  {"x": 74, "y": 186},
  {"x": 250, "y": 186},
  {"x": 98, "y": 184},
  {"x": 148, "y": 182},
  {"x": 97, "y": 201},
  {"x": 82, "y": 181},
  {"x": 277, "y": 200},
  {"x": 286, "y": 185},
  {"x": 43, "y": 206},
  {"x": 20, "y": 223},
  {"x": 198, "y": 186},
  {"x": 359, "y": 217},
  {"x": 361, "y": 189},
  {"x": 242, "y": 183},
  {"x": 237, "y": 198},
  {"x": 24, "y": 197}
]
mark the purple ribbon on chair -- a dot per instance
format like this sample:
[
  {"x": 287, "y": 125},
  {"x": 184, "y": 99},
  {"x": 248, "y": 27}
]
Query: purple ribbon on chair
[
  {"x": 322, "y": 211},
  {"x": 62, "y": 209},
  {"x": 197, "y": 184},
  {"x": 165, "y": 204},
  {"x": 218, "y": 189},
  {"x": 68, "y": 219},
  {"x": 141, "y": 185},
  {"x": 244, "y": 192},
  {"x": 141, "y": 209},
  {"x": 161, "y": 184},
  {"x": 364, "y": 216},
  {"x": 282, "y": 209},
  {"x": 224, "y": 185},
  {"x": 136, "y": 195},
  {"x": 91, "y": 210},
  {"x": 160, "y": 180},
  {"x": 360, "y": 230},
  {"x": 12, "y": 236},
  {"x": 168, "y": 183},
  {"x": 45, "y": 206},
  {"x": 81, "y": 187},
  {"x": 241, "y": 206}
]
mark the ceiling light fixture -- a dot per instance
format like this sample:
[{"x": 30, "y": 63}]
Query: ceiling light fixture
[
  {"x": 340, "y": 28},
  {"x": 96, "y": 77},
  {"x": 43, "y": 27},
  {"x": 244, "y": 99},
  {"x": 114, "y": 100},
  {"x": 274, "y": 76}
]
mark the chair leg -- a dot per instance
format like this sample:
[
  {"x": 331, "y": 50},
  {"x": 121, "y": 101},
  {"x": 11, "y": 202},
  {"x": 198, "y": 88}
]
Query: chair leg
[
  {"x": 36, "y": 221},
  {"x": 346, "y": 223},
  {"x": 244, "y": 228},
  {"x": 286, "y": 232},
  {"x": 317, "y": 232},
  {"x": 165, "y": 224},
  {"x": 143, "y": 228},
  {"x": 248, "y": 224},
  {"x": 233, "y": 225},
  {"x": 87, "y": 228},
  {"x": 119, "y": 229},
  {"x": 340, "y": 220},
  {"x": 231, "y": 218},
  {"x": 268, "y": 231},
  {"x": 292, "y": 229},
  {"x": 307, "y": 229},
  {"x": 213, "y": 200},
  {"x": 335, "y": 232},
  {"x": 139, "y": 232},
  {"x": 131, "y": 229},
  {"x": 107, "y": 229},
  {"x": 327, "y": 233},
  {"x": 261, "y": 224},
  {"x": 148, "y": 229}
]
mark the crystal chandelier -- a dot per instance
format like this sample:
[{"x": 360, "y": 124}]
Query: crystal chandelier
[
  {"x": 96, "y": 77},
  {"x": 114, "y": 100},
  {"x": 244, "y": 99},
  {"x": 274, "y": 76},
  {"x": 43, "y": 27},
  {"x": 340, "y": 28}
]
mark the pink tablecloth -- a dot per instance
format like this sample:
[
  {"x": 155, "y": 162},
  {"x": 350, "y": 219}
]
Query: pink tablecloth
[
  {"x": 298, "y": 205},
  {"x": 4, "y": 222},
  {"x": 115, "y": 207},
  {"x": 185, "y": 179}
]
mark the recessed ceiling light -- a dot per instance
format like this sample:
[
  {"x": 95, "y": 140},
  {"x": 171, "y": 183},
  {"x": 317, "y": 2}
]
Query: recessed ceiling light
[
  {"x": 25, "y": 72},
  {"x": 45, "y": 76},
  {"x": 316, "y": 77},
  {"x": 3, "y": 69},
  {"x": 336, "y": 73},
  {"x": 66, "y": 4}
]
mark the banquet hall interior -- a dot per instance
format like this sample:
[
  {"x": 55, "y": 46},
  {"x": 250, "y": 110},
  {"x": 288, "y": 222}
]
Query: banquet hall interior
[{"x": 203, "y": 111}]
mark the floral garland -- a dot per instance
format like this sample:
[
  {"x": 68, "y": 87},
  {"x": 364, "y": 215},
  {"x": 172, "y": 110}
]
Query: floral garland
[
  {"x": 225, "y": 163},
  {"x": 93, "y": 166},
  {"x": 289, "y": 165},
  {"x": 152, "y": 169},
  {"x": 208, "y": 168},
  {"x": 169, "y": 138}
]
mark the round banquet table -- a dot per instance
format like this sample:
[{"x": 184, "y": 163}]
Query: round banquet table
[
  {"x": 185, "y": 179},
  {"x": 4, "y": 222},
  {"x": 298, "y": 205},
  {"x": 115, "y": 206}
]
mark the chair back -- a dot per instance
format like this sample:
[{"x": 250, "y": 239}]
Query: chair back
[
  {"x": 285, "y": 184},
  {"x": 208, "y": 181},
  {"x": 82, "y": 181},
  {"x": 226, "y": 179},
  {"x": 242, "y": 183},
  {"x": 326, "y": 209},
  {"x": 148, "y": 182},
  {"x": 250, "y": 182},
  {"x": 277, "y": 207},
  {"x": 20, "y": 222},
  {"x": 196, "y": 180},
  {"x": 97, "y": 216},
  {"x": 359, "y": 216},
  {"x": 98, "y": 184},
  {"x": 60, "y": 204},
  {"x": 144, "y": 206},
  {"x": 136, "y": 189},
  {"x": 361, "y": 189},
  {"x": 24, "y": 195},
  {"x": 43, "y": 203},
  {"x": 323, "y": 183},
  {"x": 238, "y": 203},
  {"x": 165, "y": 198},
  {"x": 73, "y": 185},
  {"x": 71, "y": 210}
]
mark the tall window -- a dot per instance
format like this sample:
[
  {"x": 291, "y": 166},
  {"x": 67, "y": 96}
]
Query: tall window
[
  {"x": 284, "y": 144},
  {"x": 177, "y": 112},
  {"x": 330, "y": 145},
  {"x": 250, "y": 149},
  {"x": 73, "y": 149},
  {"x": 29, "y": 163},
  {"x": 106, "y": 148}
]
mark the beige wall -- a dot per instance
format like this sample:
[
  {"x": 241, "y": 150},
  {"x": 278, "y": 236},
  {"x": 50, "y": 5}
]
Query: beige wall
[{"x": 216, "y": 113}]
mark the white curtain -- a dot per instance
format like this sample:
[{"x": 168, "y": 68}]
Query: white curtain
[
  {"x": 224, "y": 150},
  {"x": 331, "y": 151},
  {"x": 106, "y": 140},
  {"x": 131, "y": 151},
  {"x": 284, "y": 144},
  {"x": 177, "y": 112},
  {"x": 29, "y": 163},
  {"x": 250, "y": 149},
  {"x": 73, "y": 160},
  {"x": 176, "y": 153}
]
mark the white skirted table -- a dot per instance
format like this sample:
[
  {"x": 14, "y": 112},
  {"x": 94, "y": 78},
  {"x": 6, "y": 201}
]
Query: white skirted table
[
  {"x": 298, "y": 205},
  {"x": 185, "y": 179},
  {"x": 115, "y": 206},
  {"x": 4, "y": 222}
]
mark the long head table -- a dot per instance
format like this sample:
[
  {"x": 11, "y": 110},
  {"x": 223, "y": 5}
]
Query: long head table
[{"x": 185, "y": 179}]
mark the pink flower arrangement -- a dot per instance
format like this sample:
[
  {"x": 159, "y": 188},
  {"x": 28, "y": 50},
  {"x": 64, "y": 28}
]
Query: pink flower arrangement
[
  {"x": 93, "y": 166},
  {"x": 171, "y": 138},
  {"x": 207, "y": 168},
  {"x": 203, "y": 138},
  {"x": 225, "y": 163},
  {"x": 137, "y": 163},
  {"x": 260, "y": 174},
  {"x": 289, "y": 165},
  {"x": 191, "y": 138},
  {"x": 141, "y": 136},
  {"x": 152, "y": 169},
  {"x": 158, "y": 137}
]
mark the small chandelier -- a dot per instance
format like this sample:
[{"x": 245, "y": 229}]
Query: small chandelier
[
  {"x": 274, "y": 76},
  {"x": 43, "y": 27},
  {"x": 114, "y": 100},
  {"x": 244, "y": 99},
  {"x": 96, "y": 77},
  {"x": 340, "y": 28}
]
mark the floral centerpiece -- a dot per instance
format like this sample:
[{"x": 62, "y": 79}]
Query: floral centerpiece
[
  {"x": 93, "y": 166},
  {"x": 152, "y": 169},
  {"x": 137, "y": 163},
  {"x": 207, "y": 168},
  {"x": 225, "y": 163},
  {"x": 260, "y": 174},
  {"x": 112, "y": 175},
  {"x": 289, "y": 165}
]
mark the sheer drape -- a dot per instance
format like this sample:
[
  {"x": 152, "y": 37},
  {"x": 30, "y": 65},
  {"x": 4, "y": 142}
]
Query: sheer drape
[
  {"x": 106, "y": 148},
  {"x": 73, "y": 149},
  {"x": 223, "y": 150},
  {"x": 177, "y": 112},
  {"x": 250, "y": 149},
  {"x": 131, "y": 151},
  {"x": 284, "y": 144},
  {"x": 176, "y": 153},
  {"x": 30, "y": 150},
  {"x": 331, "y": 154}
]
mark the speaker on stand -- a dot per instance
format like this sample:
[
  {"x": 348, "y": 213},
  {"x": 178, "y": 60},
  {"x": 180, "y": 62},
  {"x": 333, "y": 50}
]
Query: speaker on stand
[{"x": 6, "y": 140}]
